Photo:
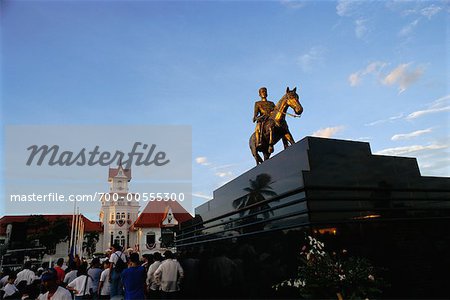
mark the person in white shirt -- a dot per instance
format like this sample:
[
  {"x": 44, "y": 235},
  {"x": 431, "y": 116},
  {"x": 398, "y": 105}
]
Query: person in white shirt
[
  {"x": 54, "y": 292},
  {"x": 94, "y": 273},
  {"x": 10, "y": 289},
  {"x": 26, "y": 274},
  {"x": 103, "y": 286},
  {"x": 116, "y": 287},
  {"x": 6, "y": 272},
  {"x": 169, "y": 273},
  {"x": 82, "y": 285},
  {"x": 153, "y": 286},
  {"x": 72, "y": 274}
]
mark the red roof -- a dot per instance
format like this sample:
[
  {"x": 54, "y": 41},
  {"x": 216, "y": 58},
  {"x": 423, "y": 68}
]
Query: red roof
[
  {"x": 113, "y": 173},
  {"x": 89, "y": 226},
  {"x": 155, "y": 212}
]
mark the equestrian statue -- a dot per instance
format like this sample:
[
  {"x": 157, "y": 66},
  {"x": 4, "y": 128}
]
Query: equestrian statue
[{"x": 271, "y": 123}]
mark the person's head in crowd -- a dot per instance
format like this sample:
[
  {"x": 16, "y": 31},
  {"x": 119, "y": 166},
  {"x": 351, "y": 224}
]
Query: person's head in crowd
[
  {"x": 148, "y": 258},
  {"x": 12, "y": 277},
  {"x": 95, "y": 263},
  {"x": 33, "y": 268},
  {"x": 157, "y": 256},
  {"x": 77, "y": 260},
  {"x": 43, "y": 267},
  {"x": 168, "y": 254},
  {"x": 108, "y": 252},
  {"x": 27, "y": 265},
  {"x": 134, "y": 259},
  {"x": 72, "y": 266},
  {"x": 60, "y": 262},
  {"x": 48, "y": 279},
  {"x": 116, "y": 247},
  {"x": 106, "y": 264},
  {"x": 82, "y": 270}
]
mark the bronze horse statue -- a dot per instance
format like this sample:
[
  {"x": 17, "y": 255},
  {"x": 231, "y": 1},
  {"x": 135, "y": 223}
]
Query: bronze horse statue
[{"x": 275, "y": 127}]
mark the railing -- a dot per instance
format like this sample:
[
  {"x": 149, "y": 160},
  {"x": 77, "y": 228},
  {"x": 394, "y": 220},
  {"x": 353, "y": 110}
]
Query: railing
[{"x": 195, "y": 233}]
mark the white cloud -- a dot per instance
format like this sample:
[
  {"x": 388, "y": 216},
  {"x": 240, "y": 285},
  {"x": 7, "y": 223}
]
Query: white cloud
[
  {"x": 361, "y": 28},
  {"x": 403, "y": 76},
  {"x": 202, "y": 160},
  {"x": 420, "y": 13},
  {"x": 364, "y": 139},
  {"x": 409, "y": 28},
  {"x": 430, "y": 11},
  {"x": 390, "y": 119},
  {"x": 353, "y": 10},
  {"x": 374, "y": 68},
  {"x": 294, "y": 4},
  {"x": 328, "y": 132},
  {"x": 420, "y": 113},
  {"x": 312, "y": 58},
  {"x": 224, "y": 174},
  {"x": 202, "y": 196},
  {"x": 354, "y": 79},
  {"x": 436, "y": 166},
  {"x": 345, "y": 8},
  {"x": 407, "y": 136},
  {"x": 439, "y": 105},
  {"x": 419, "y": 9},
  {"x": 396, "y": 151},
  {"x": 433, "y": 158}
]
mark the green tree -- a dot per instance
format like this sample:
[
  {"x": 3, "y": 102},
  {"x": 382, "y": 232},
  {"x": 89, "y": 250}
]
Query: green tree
[
  {"x": 48, "y": 233},
  {"x": 90, "y": 241}
]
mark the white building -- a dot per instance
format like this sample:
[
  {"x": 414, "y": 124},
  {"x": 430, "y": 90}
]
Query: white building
[
  {"x": 119, "y": 210},
  {"x": 152, "y": 230},
  {"x": 120, "y": 221}
]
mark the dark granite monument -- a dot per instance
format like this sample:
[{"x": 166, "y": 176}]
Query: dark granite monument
[{"x": 378, "y": 207}]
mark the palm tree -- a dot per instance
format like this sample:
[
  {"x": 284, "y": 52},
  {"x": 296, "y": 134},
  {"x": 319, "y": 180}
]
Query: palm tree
[
  {"x": 257, "y": 192},
  {"x": 89, "y": 245}
]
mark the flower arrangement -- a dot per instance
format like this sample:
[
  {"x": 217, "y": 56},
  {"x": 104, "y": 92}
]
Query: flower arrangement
[{"x": 324, "y": 275}]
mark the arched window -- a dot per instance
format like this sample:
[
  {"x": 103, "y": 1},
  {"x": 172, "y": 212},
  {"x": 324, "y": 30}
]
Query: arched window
[
  {"x": 150, "y": 238},
  {"x": 120, "y": 239},
  {"x": 123, "y": 216},
  {"x": 112, "y": 216},
  {"x": 167, "y": 237},
  {"x": 117, "y": 216},
  {"x": 129, "y": 216}
]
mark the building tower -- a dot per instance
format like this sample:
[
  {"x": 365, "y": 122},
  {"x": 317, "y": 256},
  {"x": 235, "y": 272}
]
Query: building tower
[{"x": 119, "y": 210}]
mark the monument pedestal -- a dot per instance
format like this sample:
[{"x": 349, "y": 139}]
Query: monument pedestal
[{"x": 379, "y": 207}]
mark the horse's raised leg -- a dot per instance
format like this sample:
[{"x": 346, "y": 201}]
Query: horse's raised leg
[
  {"x": 285, "y": 142},
  {"x": 258, "y": 159},
  {"x": 288, "y": 137}
]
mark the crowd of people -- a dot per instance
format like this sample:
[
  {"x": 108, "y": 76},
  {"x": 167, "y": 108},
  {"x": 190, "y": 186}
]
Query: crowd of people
[
  {"x": 217, "y": 271},
  {"x": 121, "y": 275}
]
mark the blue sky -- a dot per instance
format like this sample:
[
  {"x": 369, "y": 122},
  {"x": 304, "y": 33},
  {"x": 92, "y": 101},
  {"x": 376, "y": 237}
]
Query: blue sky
[{"x": 374, "y": 71}]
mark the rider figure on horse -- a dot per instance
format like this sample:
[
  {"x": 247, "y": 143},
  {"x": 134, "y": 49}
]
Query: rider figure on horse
[{"x": 263, "y": 108}]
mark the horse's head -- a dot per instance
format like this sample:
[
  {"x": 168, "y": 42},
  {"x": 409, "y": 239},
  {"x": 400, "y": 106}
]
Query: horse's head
[{"x": 292, "y": 100}]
